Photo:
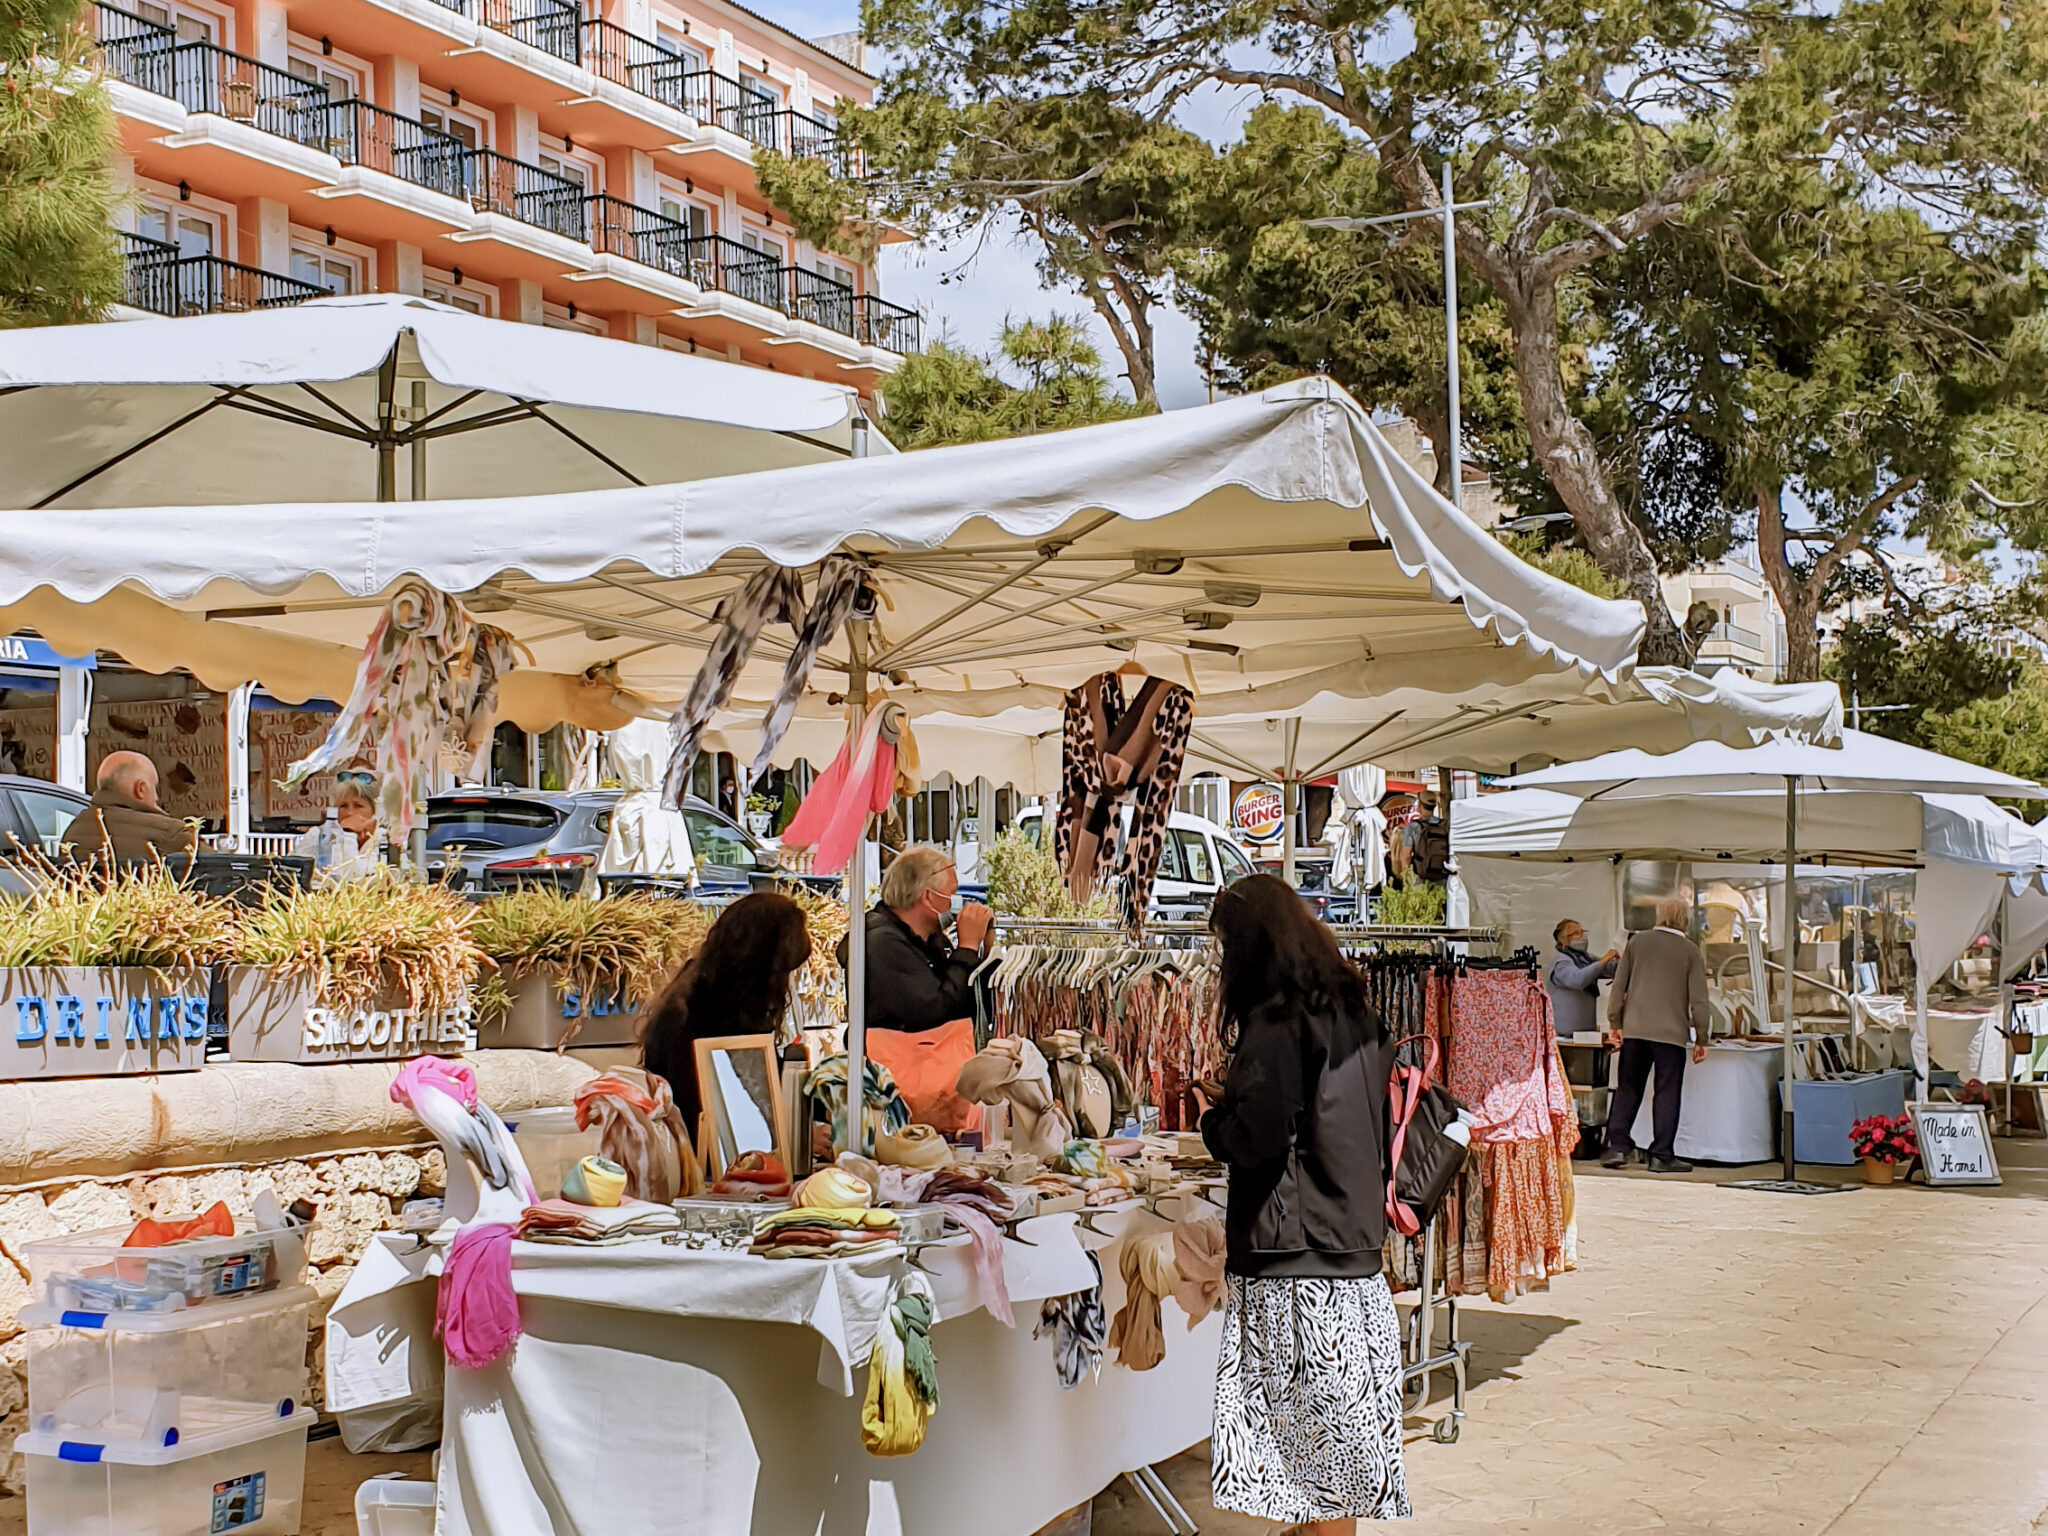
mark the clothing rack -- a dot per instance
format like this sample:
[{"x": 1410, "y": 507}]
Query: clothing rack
[
  {"x": 1346, "y": 934},
  {"x": 1421, "y": 1360}
]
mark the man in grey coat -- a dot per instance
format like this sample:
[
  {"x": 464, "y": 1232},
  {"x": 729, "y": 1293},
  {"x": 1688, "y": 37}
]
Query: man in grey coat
[
  {"x": 1657, "y": 1008},
  {"x": 1574, "y": 980}
]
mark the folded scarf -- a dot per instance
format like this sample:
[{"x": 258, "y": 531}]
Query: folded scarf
[
  {"x": 1146, "y": 1264},
  {"x": 1013, "y": 1071},
  {"x": 977, "y": 1204},
  {"x": 1077, "y": 1325},
  {"x": 642, "y": 1131},
  {"x": 903, "y": 1374},
  {"x": 841, "y": 1218},
  {"x": 753, "y": 1175},
  {"x": 915, "y": 1146},
  {"x": 1198, "y": 1267},
  {"x": 834, "y": 1187},
  {"x": 214, "y": 1221},
  {"x": 892, "y": 1185},
  {"x": 563, "y": 1221},
  {"x": 1084, "y": 1159},
  {"x": 476, "y": 1311}
]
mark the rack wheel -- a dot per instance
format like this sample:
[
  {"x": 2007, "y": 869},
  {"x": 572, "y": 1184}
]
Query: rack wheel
[{"x": 1446, "y": 1430}]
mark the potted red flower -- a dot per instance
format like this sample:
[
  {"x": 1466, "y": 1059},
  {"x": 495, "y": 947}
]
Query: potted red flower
[{"x": 1883, "y": 1142}]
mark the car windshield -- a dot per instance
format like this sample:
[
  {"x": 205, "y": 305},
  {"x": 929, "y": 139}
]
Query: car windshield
[{"x": 489, "y": 821}]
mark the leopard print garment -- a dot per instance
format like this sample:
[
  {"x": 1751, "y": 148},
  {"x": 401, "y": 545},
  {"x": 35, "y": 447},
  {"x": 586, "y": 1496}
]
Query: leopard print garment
[{"x": 1151, "y": 798}]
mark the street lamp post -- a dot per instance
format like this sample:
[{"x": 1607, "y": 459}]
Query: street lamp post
[{"x": 1448, "y": 211}]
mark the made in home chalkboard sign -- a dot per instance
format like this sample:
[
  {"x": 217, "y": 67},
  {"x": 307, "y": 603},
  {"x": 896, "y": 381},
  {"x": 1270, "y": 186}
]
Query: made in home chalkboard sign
[{"x": 1955, "y": 1144}]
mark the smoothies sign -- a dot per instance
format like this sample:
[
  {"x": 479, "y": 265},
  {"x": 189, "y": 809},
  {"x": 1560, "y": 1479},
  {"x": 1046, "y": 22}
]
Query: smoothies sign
[{"x": 1259, "y": 813}]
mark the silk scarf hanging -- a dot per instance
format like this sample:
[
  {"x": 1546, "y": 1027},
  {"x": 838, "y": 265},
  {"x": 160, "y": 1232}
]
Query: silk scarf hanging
[{"x": 1110, "y": 753}]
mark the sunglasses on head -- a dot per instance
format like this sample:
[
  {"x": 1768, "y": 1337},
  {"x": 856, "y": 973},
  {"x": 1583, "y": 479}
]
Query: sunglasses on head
[{"x": 356, "y": 778}]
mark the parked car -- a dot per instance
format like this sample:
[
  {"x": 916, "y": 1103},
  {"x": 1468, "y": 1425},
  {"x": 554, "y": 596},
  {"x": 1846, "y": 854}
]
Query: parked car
[
  {"x": 34, "y": 814},
  {"x": 1312, "y": 881},
  {"x": 1197, "y": 859},
  {"x": 484, "y": 841}
]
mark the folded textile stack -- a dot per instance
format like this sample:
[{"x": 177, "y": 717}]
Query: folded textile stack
[
  {"x": 976, "y": 1202},
  {"x": 563, "y": 1221},
  {"x": 823, "y": 1232}
]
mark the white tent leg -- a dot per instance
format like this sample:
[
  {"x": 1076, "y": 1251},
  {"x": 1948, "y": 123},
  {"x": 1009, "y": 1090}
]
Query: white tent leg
[
  {"x": 238, "y": 766},
  {"x": 1919, "y": 1038},
  {"x": 1791, "y": 965},
  {"x": 74, "y": 710}
]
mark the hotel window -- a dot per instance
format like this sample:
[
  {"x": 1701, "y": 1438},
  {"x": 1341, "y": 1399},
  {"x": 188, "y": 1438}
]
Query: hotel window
[
  {"x": 671, "y": 40},
  {"x": 685, "y": 210},
  {"x": 194, "y": 230},
  {"x": 338, "y": 272},
  {"x": 341, "y": 81},
  {"x": 556, "y": 317},
  {"x": 470, "y": 129},
  {"x": 193, "y": 24},
  {"x": 441, "y": 287}
]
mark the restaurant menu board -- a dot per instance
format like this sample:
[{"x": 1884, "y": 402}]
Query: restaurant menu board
[{"x": 187, "y": 740}]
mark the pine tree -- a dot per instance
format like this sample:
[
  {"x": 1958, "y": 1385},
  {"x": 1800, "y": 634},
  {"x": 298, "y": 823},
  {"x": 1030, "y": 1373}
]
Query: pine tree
[{"x": 59, "y": 258}]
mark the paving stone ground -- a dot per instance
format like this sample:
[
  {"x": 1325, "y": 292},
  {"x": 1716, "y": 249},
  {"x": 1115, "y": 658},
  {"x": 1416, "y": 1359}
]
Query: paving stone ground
[{"x": 1724, "y": 1363}]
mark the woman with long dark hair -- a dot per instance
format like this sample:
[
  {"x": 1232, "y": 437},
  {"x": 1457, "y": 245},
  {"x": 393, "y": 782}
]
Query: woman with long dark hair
[
  {"x": 1308, "y": 1385},
  {"x": 737, "y": 983}
]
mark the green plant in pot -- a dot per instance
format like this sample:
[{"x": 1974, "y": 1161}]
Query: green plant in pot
[
  {"x": 592, "y": 959},
  {"x": 367, "y": 944}
]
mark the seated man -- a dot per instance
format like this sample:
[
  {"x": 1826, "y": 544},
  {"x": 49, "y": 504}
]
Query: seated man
[
  {"x": 917, "y": 979},
  {"x": 125, "y": 822}
]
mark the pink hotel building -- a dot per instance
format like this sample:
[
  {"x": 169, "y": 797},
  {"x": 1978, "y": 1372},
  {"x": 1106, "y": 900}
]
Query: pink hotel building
[{"x": 574, "y": 163}]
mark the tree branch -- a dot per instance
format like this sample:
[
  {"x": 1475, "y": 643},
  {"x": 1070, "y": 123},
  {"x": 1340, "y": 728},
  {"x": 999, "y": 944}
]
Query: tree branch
[{"x": 1666, "y": 204}]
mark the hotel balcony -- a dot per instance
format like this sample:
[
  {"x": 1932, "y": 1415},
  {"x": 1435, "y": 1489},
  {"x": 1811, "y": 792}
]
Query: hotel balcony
[{"x": 165, "y": 281}]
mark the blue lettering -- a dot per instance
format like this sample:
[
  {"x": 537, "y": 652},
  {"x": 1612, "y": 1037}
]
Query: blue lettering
[
  {"x": 572, "y": 1004},
  {"x": 106, "y": 1006},
  {"x": 195, "y": 1018},
  {"x": 70, "y": 1018},
  {"x": 167, "y": 1018},
  {"x": 138, "y": 1021},
  {"x": 24, "y": 1030}
]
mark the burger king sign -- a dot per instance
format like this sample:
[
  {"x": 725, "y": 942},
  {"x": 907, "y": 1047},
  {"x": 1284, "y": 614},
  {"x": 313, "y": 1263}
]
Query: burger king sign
[{"x": 1259, "y": 813}]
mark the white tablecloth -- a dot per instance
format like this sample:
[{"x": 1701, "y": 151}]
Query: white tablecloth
[
  {"x": 659, "y": 1389},
  {"x": 1730, "y": 1110}
]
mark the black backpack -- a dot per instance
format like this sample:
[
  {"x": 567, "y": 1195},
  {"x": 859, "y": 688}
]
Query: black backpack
[{"x": 1431, "y": 859}]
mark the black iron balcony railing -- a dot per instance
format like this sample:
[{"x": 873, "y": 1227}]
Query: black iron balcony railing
[
  {"x": 820, "y": 300},
  {"x": 878, "y": 323},
  {"x": 804, "y": 137},
  {"x": 357, "y": 133},
  {"x": 165, "y": 281},
  {"x": 710, "y": 261},
  {"x": 202, "y": 77},
  {"x": 553, "y": 26}
]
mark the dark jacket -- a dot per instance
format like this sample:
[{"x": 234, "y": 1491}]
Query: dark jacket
[
  {"x": 133, "y": 832},
  {"x": 1303, "y": 1127},
  {"x": 1574, "y": 988},
  {"x": 913, "y": 984}
]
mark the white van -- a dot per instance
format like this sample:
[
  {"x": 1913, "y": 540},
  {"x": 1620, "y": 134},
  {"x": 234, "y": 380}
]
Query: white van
[{"x": 1198, "y": 859}]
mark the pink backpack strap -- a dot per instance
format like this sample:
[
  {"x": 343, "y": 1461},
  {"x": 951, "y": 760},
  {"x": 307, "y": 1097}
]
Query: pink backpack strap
[{"x": 1404, "y": 1093}]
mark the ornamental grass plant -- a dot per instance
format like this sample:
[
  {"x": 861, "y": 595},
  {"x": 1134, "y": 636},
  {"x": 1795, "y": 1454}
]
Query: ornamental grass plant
[
  {"x": 139, "y": 917},
  {"x": 623, "y": 946},
  {"x": 357, "y": 942}
]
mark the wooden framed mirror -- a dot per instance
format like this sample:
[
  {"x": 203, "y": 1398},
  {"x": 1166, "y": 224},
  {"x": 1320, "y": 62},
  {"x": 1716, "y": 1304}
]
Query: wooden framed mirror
[{"x": 741, "y": 1084}]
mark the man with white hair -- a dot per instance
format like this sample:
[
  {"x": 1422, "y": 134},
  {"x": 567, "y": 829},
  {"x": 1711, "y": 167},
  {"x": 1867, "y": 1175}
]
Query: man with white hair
[
  {"x": 125, "y": 822},
  {"x": 917, "y": 978},
  {"x": 1657, "y": 1008}
]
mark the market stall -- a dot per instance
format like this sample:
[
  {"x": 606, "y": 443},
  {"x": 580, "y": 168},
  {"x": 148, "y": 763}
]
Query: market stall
[{"x": 1068, "y": 562}]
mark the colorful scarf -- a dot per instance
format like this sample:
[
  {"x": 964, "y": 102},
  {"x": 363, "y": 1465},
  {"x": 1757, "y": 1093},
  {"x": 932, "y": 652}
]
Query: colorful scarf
[
  {"x": 1078, "y": 1326},
  {"x": 643, "y": 1132},
  {"x": 773, "y": 593},
  {"x": 839, "y": 579},
  {"x": 476, "y": 1311},
  {"x": 859, "y": 783},
  {"x": 427, "y": 687},
  {"x": 977, "y": 1203},
  {"x": 1111, "y": 752},
  {"x": 885, "y": 1109},
  {"x": 1146, "y": 1264},
  {"x": 903, "y": 1374}
]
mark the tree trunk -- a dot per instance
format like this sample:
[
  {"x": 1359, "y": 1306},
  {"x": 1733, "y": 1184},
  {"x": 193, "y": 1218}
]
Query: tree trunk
[
  {"x": 1130, "y": 325},
  {"x": 1571, "y": 462},
  {"x": 1798, "y": 600},
  {"x": 1434, "y": 422}
]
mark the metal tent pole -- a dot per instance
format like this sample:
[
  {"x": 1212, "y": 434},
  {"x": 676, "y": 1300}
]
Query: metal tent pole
[
  {"x": 857, "y": 870},
  {"x": 1457, "y": 451},
  {"x": 238, "y": 765},
  {"x": 1791, "y": 964},
  {"x": 387, "y": 427},
  {"x": 1290, "y": 799}
]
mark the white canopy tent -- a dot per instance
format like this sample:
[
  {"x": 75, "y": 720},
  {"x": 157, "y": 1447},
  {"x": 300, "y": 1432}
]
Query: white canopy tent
[
  {"x": 375, "y": 395},
  {"x": 1232, "y": 548},
  {"x": 1862, "y": 763}
]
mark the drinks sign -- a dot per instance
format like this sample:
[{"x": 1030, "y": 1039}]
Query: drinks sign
[
  {"x": 83, "y": 1021},
  {"x": 1955, "y": 1144}
]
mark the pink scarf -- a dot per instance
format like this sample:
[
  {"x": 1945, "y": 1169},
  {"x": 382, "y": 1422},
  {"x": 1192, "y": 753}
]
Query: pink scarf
[
  {"x": 858, "y": 784},
  {"x": 976, "y": 1204},
  {"x": 453, "y": 1078},
  {"x": 476, "y": 1313}
]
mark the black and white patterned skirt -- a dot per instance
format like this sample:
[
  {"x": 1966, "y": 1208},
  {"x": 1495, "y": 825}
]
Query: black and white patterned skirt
[{"x": 1308, "y": 1402}]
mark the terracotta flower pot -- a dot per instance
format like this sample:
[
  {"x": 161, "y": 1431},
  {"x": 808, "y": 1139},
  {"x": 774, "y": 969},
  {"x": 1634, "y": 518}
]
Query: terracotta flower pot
[{"x": 1878, "y": 1171}]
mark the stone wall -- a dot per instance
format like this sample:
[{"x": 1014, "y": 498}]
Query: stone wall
[{"x": 357, "y": 1190}]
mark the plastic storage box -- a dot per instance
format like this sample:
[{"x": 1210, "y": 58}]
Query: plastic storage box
[
  {"x": 1824, "y": 1110},
  {"x": 156, "y": 1378},
  {"x": 92, "y": 1272},
  {"x": 390, "y": 1506},
  {"x": 250, "y": 1478},
  {"x": 551, "y": 1144}
]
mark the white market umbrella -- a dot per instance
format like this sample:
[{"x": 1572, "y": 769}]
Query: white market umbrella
[
  {"x": 371, "y": 397},
  {"x": 1861, "y": 762}
]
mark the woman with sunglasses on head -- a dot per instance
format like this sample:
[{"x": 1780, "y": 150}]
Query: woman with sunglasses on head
[
  {"x": 354, "y": 855},
  {"x": 1307, "y": 1427}
]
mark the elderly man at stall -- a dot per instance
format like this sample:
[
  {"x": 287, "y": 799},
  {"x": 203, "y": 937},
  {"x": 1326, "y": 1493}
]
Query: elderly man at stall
[
  {"x": 125, "y": 823},
  {"x": 1574, "y": 980},
  {"x": 917, "y": 978},
  {"x": 1657, "y": 1008}
]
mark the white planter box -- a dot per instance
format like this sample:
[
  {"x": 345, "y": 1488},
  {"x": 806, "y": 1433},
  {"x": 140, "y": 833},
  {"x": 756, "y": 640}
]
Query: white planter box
[
  {"x": 274, "y": 1016},
  {"x": 545, "y": 1014},
  {"x": 86, "y": 1021}
]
